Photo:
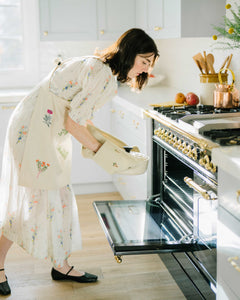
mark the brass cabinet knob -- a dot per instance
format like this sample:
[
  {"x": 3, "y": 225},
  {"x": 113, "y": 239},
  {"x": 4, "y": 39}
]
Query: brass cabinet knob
[
  {"x": 157, "y": 28},
  {"x": 238, "y": 195},
  {"x": 45, "y": 33},
  {"x": 102, "y": 32}
]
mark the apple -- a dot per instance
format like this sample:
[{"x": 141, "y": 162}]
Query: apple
[{"x": 192, "y": 99}]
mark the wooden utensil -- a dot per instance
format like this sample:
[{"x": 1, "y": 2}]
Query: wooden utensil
[
  {"x": 167, "y": 104},
  {"x": 229, "y": 61},
  {"x": 205, "y": 61},
  {"x": 210, "y": 62},
  {"x": 199, "y": 57},
  {"x": 224, "y": 63}
]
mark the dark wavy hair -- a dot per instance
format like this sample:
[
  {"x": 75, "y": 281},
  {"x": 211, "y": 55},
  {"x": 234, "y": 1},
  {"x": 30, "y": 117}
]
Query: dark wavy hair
[{"x": 121, "y": 55}]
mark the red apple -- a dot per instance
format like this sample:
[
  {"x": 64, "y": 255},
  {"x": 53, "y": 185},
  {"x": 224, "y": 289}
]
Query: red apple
[{"x": 192, "y": 99}]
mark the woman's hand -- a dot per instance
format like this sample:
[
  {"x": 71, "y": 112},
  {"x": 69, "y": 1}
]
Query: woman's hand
[{"x": 82, "y": 134}]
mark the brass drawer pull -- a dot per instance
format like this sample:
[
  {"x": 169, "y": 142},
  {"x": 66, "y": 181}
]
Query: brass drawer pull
[
  {"x": 232, "y": 261},
  {"x": 8, "y": 107}
]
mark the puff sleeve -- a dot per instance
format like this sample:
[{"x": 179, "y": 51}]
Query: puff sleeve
[{"x": 87, "y": 85}]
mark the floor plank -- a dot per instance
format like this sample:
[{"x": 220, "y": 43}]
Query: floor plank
[{"x": 137, "y": 277}]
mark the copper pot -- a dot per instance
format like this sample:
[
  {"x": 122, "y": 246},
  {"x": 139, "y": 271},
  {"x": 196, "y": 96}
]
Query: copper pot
[{"x": 223, "y": 96}]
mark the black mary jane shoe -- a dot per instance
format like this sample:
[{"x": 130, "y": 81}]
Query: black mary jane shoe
[
  {"x": 4, "y": 287},
  {"x": 87, "y": 277}
]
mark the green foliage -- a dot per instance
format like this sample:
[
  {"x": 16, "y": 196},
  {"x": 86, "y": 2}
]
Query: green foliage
[{"x": 229, "y": 31}]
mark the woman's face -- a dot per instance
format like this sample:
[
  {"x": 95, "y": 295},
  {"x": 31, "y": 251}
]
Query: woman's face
[{"x": 142, "y": 64}]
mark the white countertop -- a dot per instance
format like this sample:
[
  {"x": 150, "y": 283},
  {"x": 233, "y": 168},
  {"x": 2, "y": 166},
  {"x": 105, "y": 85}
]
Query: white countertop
[
  {"x": 228, "y": 159},
  {"x": 149, "y": 95}
]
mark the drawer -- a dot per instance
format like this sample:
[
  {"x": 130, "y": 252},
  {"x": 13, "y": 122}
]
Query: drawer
[
  {"x": 228, "y": 251},
  {"x": 229, "y": 193}
]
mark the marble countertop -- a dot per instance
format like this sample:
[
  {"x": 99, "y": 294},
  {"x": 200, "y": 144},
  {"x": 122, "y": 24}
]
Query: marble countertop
[{"x": 228, "y": 159}]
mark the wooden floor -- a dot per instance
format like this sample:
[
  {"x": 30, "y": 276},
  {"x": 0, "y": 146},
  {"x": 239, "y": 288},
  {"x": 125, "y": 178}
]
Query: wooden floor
[{"x": 138, "y": 277}]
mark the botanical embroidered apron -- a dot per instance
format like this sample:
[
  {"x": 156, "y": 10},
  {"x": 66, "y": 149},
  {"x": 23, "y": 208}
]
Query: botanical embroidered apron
[{"x": 47, "y": 155}]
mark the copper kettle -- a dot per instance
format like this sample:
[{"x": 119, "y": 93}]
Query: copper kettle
[{"x": 225, "y": 95}]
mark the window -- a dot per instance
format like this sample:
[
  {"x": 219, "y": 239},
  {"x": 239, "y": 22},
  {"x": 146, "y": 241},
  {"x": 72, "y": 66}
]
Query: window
[{"x": 18, "y": 43}]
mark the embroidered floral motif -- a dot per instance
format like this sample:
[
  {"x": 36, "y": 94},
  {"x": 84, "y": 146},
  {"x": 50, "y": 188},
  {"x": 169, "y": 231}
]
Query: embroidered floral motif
[
  {"x": 22, "y": 133},
  {"x": 115, "y": 165},
  {"x": 34, "y": 233},
  {"x": 31, "y": 203},
  {"x": 42, "y": 166},
  {"x": 47, "y": 119},
  {"x": 51, "y": 214},
  {"x": 89, "y": 73},
  {"x": 63, "y": 152},
  {"x": 11, "y": 219},
  {"x": 84, "y": 99},
  {"x": 63, "y": 132},
  {"x": 60, "y": 237},
  {"x": 107, "y": 83},
  {"x": 69, "y": 85},
  {"x": 68, "y": 187}
]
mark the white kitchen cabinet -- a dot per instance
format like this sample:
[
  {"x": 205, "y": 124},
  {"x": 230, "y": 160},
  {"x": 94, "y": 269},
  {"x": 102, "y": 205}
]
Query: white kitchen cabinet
[
  {"x": 228, "y": 256},
  {"x": 85, "y": 20},
  {"x": 108, "y": 19},
  {"x": 67, "y": 20},
  {"x": 6, "y": 109},
  {"x": 228, "y": 233},
  {"x": 131, "y": 128},
  {"x": 180, "y": 18}
]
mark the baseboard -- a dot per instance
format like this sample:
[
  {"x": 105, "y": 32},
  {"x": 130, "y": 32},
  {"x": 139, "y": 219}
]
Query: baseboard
[{"x": 93, "y": 188}]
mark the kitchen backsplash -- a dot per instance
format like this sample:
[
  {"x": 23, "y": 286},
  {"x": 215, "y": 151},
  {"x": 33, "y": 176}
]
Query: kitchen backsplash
[{"x": 175, "y": 60}]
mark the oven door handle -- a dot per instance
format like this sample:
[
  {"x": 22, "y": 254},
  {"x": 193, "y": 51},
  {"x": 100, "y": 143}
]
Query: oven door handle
[{"x": 192, "y": 184}]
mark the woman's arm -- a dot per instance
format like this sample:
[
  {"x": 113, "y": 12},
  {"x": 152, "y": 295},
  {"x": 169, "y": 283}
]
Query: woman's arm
[{"x": 81, "y": 133}]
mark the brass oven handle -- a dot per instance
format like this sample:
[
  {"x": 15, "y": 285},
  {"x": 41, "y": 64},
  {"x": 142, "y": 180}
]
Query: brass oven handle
[{"x": 197, "y": 188}]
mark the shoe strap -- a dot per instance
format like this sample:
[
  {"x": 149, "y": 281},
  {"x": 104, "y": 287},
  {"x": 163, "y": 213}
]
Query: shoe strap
[
  {"x": 1, "y": 270},
  {"x": 70, "y": 270}
]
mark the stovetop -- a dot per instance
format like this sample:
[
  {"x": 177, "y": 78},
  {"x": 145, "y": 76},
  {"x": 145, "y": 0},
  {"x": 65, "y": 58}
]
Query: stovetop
[
  {"x": 177, "y": 112},
  {"x": 222, "y": 126}
]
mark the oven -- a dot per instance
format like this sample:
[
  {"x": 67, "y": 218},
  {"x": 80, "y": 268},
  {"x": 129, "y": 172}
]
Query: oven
[{"x": 178, "y": 221}]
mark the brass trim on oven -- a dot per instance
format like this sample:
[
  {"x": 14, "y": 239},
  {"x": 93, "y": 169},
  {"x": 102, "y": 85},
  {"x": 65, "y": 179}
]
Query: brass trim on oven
[
  {"x": 192, "y": 184},
  {"x": 206, "y": 145}
]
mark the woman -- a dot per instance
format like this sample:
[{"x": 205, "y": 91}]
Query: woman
[{"x": 38, "y": 207}]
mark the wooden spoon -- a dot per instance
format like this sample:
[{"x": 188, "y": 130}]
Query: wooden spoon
[
  {"x": 198, "y": 57},
  {"x": 210, "y": 62}
]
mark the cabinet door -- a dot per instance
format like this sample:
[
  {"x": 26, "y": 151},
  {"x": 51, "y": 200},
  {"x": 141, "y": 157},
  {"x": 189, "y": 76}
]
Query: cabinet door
[
  {"x": 115, "y": 17},
  {"x": 67, "y": 20},
  {"x": 228, "y": 255},
  {"x": 160, "y": 19},
  {"x": 5, "y": 112}
]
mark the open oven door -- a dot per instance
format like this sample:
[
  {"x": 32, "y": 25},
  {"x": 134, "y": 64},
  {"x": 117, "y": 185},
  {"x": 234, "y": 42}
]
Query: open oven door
[{"x": 144, "y": 227}]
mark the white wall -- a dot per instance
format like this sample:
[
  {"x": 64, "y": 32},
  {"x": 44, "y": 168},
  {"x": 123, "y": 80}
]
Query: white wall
[{"x": 175, "y": 58}]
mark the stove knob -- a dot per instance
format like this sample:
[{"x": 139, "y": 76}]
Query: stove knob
[
  {"x": 180, "y": 145},
  {"x": 175, "y": 142},
  {"x": 157, "y": 132},
  {"x": 184, "y": 149},
  {"x": 171, "y": 137},
  {"x": 194, "y": 153},
  {"x": 201, "y": 162}
]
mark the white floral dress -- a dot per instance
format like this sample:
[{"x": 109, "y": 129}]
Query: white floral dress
[{"x": 37, "y": 206}]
